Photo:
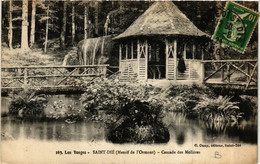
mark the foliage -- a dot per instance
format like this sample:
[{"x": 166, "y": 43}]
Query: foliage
[
  {"x": 218, "y": 110},
  {"x": 28, "y": 104},
  {"x": 131, "y": 114},
  {"x": 184, "y": 98},
  {"x": 59, "y": 110},
  {"x": 104, "y": 94},
  {"x": 138, "y": 122},
  {"x": 247, "y": 105}
]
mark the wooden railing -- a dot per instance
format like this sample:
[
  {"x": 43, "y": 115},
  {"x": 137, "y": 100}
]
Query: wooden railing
[
  {"x": 231, "y": 72},
  {"x": 156, "y": 71},
  {"x": 49, "y": 76}
]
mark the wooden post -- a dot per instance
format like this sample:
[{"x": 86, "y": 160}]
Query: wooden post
[
  {"x": 193, "y": 58},
  {"x": 25, "y": 80},
  {"x": 248, "y": 70},
  {"x": 202, "y": 53},
  {"x": 167, "y": 55},
  {"x": 222, "y": 73},
  {"x": 193, "y": 50},
  {"x": 126, "y": 51},
  {"x": 132, "y": 50},
  {"x": 104, "y": 71},
  {"x": 184, "y": 51},
  {"x": 146, "y": 59},
  {"x": 228, "y": 72},
  {"x": 175, "y": 58},
  {"x": 55, "y": 73},
  {"x": 202, "y": 73},
  {"x": 120, "y": 58},
  {"x": 202, "y": 67},
  {"x": 138, "y": 58}
]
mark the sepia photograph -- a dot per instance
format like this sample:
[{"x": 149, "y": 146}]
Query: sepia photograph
[{"x": 129, "y": 82}]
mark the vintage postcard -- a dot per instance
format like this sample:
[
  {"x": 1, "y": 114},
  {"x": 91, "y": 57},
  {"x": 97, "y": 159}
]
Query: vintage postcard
[{"x": 129, "y": 82}]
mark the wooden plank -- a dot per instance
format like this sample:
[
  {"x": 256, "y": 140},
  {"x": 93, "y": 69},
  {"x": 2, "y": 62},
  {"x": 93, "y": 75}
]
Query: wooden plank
[
  {"x": 215, "y": 72},
  {"x": 251, "y": 75},
  {"x": 234, "y": 70},
  {"x": 241, "y": 71},
  {"x": 55, "y": 66},
  {"x": 224, "y": 61},
  {"x": 66, "y": 77}
]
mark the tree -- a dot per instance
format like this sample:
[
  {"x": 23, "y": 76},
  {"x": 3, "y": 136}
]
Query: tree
[
  {"x": 32, "y": 36},
  {"x": 73, "y": 30},
  {"x": 96, "y": 17},
  {"x": 64, "y": 23},
  {"x": 49, "y": 19},
  {"x": 10, "y": 30},
  {"x": 87, "y": 25},
  {"x": 86, "y": 17},
  {"x": 24, "y": 39},
  {"x": 47, "y": 30}
]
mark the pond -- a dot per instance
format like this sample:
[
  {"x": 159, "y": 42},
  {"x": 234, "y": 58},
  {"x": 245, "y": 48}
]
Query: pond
[{"x": 182, "y": 129}]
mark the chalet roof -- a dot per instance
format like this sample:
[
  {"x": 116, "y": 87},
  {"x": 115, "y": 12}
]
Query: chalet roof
[{"x": 162, "y": 18}]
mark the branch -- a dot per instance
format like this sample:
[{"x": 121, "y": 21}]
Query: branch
[
  {"x": 17, "y": 19},
  {"x": 41, "y": 5},
  {"x": 16, "y": 8}
]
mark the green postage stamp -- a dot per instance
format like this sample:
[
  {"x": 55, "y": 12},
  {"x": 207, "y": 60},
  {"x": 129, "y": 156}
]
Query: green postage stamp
[{"x": 236, "y": 26}]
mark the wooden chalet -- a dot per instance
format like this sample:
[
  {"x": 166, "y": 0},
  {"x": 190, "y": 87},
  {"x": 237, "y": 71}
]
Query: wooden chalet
[{"x": 161, "y": 44}]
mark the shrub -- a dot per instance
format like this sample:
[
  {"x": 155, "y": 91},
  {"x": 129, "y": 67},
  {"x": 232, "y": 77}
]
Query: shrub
[
  {"x": 59, "y": 110},
  {"x": 133, "y": 113},
  {"x": 111, "y": 95},
  {"x": 218, "y": 110},
  {"x": 184, "y": 98},
  {"x": 247, "y": 105},
  {"x": 28, "y": 104},
  {"x": 138, "y": 122}
]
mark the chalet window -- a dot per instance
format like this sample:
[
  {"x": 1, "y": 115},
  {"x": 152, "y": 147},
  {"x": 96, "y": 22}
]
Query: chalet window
[
  {"x": 170, "y": 49},
  {"x": 142, "y": 49},
  {"x": 134, "y": 50},
  {"x": 180, "y": 49},
  {"x": 189, "y": 50},
  {"x": 198, "y": 52},
  {"x": 153, "y": 52},
  {"x": 157, "y": 53},
  {"x": 123, "y": 50},
  {"x": 128, "y": 49}
]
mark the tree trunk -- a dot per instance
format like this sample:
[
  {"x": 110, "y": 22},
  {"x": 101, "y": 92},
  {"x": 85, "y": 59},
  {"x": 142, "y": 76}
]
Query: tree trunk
[
  {"x": 63, "y": 31},
  {"x": 32, "y": 36},
  {"x": 46, "y": 32},
  {"x": 96, "y": 18},
  {"x": 86, "y": 21},
  {"x": 73, "y": 24},
  {"x": 10, "y": 30},
  {"x": 24, "y": 39}
]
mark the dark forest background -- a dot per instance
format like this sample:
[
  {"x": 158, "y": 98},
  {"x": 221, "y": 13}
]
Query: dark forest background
[{"x": 62, "y": 24}]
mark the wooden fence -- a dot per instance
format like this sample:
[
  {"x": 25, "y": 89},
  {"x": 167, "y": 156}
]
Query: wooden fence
[
  {"x": 231, "y": 72},
  {"x": 49, "y": 76}
]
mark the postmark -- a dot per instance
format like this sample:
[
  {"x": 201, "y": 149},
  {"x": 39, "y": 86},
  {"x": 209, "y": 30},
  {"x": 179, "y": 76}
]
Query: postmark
[{"x": 236, "y": 26}]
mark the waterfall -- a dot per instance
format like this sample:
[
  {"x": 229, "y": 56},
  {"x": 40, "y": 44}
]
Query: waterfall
[{"x": 94, "y": 52}]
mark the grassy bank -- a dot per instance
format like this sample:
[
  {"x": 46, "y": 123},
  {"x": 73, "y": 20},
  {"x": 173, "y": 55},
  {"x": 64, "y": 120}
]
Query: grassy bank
[
  {"x": 18, "y": 57},
  {"x": 135, "y": 112}
]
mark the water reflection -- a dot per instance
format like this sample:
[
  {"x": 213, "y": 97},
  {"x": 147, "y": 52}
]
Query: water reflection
[
  {"x": 182, "y": 129},
  {"x": 51, "y": 130}
]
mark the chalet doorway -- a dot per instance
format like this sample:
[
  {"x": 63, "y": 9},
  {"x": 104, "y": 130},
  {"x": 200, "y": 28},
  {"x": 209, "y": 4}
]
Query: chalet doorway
[{"x": 156, "y": 60}]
